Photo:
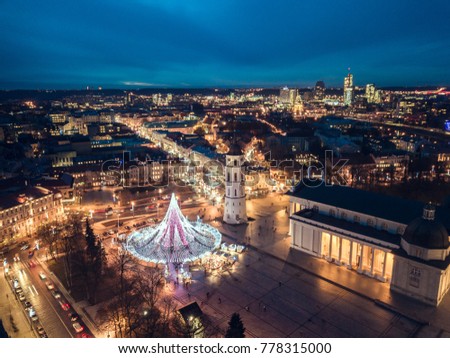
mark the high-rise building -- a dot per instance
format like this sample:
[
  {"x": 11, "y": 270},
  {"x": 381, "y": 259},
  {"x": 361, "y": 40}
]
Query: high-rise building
[
  {"x": 293, "y": 94},
  {"x": 348, "y": 90},
  {"x": 284, "y": 95},
  {"x": 288, "y": 95},
  {"x": 370, "y": 93},
  {"x": 319, "y": 90}
]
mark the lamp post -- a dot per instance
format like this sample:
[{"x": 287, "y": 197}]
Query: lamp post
[
  {"x": 118, "y": 225},
  {"x": 132, "y": 207}
]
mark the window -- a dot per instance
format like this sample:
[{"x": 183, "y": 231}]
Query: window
[
  {"x": 315, "y": 208},
  {"x": 370, "y": 222},
  {"x": 332, "y": 212},
  {"x": 356, "y": 219},
  {"x": 235, "y": 177},
  {"x": 344, "y": 215},
  {"x": 414, "y": 277}
]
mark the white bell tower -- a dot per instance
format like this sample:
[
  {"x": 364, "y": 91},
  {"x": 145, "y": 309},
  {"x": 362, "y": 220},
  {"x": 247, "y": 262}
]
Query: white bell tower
[{"x": 235, "y": 211}]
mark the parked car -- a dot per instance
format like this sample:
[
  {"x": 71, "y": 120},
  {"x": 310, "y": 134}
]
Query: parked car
[
  {"x": 40, "y": 330},
  {"x": 64, "y": 305},
  {"x": 74, "y": 317},
  {"x": 25, "y": 247},
  {"x": 22, "y": 297},
  {"x": 42, "y": 275},
  {"x": 56, "y": 294},
  {"x": 50, "y": 285},
  {"x": 78, "y": 327}
]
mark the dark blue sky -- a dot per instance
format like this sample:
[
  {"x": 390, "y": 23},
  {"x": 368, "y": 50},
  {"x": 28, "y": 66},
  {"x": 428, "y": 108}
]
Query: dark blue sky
[{"x": 195, "y": 43}]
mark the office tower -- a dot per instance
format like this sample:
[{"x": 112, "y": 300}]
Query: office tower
[
  {"x": 319, "y": 90},
  {"x": 348, "y": 90},
  {"x": 284, "y": 95}
]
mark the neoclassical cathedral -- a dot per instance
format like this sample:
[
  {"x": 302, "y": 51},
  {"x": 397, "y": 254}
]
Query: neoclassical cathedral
[{"x": 393, "y": 240}]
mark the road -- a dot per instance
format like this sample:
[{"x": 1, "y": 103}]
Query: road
[{"x": 52, "y": 317}]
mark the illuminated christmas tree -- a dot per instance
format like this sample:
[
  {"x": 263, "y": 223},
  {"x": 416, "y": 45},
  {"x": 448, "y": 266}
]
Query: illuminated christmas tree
[{"x": 175, "y": 239}]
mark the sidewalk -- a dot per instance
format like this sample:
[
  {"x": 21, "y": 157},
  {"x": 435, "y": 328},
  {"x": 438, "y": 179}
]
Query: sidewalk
[{"x": 9, "y": 304}]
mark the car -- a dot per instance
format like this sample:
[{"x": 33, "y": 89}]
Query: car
[
  {"x": 74, "y": 316},
  {"x": 32, "y": 264},
  {"x": 50, "y": 285},
  {"x": 30, "y": 254},
  {"x": 22, "y": 297},
  {"x": 56, "y": 294},
  {"x": 27, "y": 305},
  {"x": 22, "y": 243},
  {"x": 105, "y": 233},
  {"x": 111, "y": 232},
  {"x": 25, "y": 247},
  {"x": 42, "y": 275},
  {"x": 127, "y": 227},
  {"x": 34, "y": 317},
  {"x": 44, "y": 335},
  {"x": 40, "y": 330},
  {"x": 64, "y": 305},
  {"x": 18, "y": 290},
  {"x": 78, "y": 327},
  {"x": 85, "y": 335}
]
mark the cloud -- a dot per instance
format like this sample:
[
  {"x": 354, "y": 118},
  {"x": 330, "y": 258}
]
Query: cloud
[{"x": 142, "y": 84}]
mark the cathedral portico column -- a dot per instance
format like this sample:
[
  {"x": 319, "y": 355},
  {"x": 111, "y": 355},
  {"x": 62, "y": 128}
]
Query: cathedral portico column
[
  {"x": 350, "y": 261},
  {"x": 331, "y": 247},
  {"x": 372, "y": 260},
  {"x": 340, "y": 249},
  {"x": 384, "y": 267},
  {"x": 361, "y": 255}
]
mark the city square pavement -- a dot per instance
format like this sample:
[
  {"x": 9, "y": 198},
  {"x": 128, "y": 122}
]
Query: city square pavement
[{"x": 281, "y": 292}]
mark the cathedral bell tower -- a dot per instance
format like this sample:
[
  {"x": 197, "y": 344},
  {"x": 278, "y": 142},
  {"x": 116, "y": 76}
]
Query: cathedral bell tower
[{"x": 235, "y": 211}]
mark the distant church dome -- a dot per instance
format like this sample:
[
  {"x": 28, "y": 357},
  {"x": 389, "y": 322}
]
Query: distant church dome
[
  {"x": 235, "y": 149},
  {"x": 426, "y": 232}
]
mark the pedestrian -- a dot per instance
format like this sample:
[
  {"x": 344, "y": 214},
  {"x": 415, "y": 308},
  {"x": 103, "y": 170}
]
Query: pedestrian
[
  {"x": 247, "y": 308},
  {"x": 264, "y": 308},
  {"x": 207, "y": 294},
  {"x": 279, "y": 283},
  {"x": 220, "y": 301}
]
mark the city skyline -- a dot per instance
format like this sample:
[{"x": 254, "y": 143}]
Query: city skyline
[{"x": 198, "y": 44}]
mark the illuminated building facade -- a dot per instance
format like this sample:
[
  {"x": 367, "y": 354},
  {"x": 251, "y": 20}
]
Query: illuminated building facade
[
  {"x": 390, "y": 239},
  {"x": 235, "y": 211},
  {"x": 319, "y": 91},
  {"x": 22, "y": 211},
  {"x": 349, "y": 90}
]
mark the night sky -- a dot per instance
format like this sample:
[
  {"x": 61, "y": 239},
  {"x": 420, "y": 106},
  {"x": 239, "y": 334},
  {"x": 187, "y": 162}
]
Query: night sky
[{"x": 193, "y": 43}]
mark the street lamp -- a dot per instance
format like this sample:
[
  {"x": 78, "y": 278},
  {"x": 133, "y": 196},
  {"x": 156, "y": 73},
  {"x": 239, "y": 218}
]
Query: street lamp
[
  {"x": 132, "y": 207},
  {"x": 118, "y": 221}
]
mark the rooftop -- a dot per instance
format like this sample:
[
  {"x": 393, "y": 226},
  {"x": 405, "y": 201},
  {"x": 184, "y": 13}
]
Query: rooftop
[{"x": 370, "y": 203}]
